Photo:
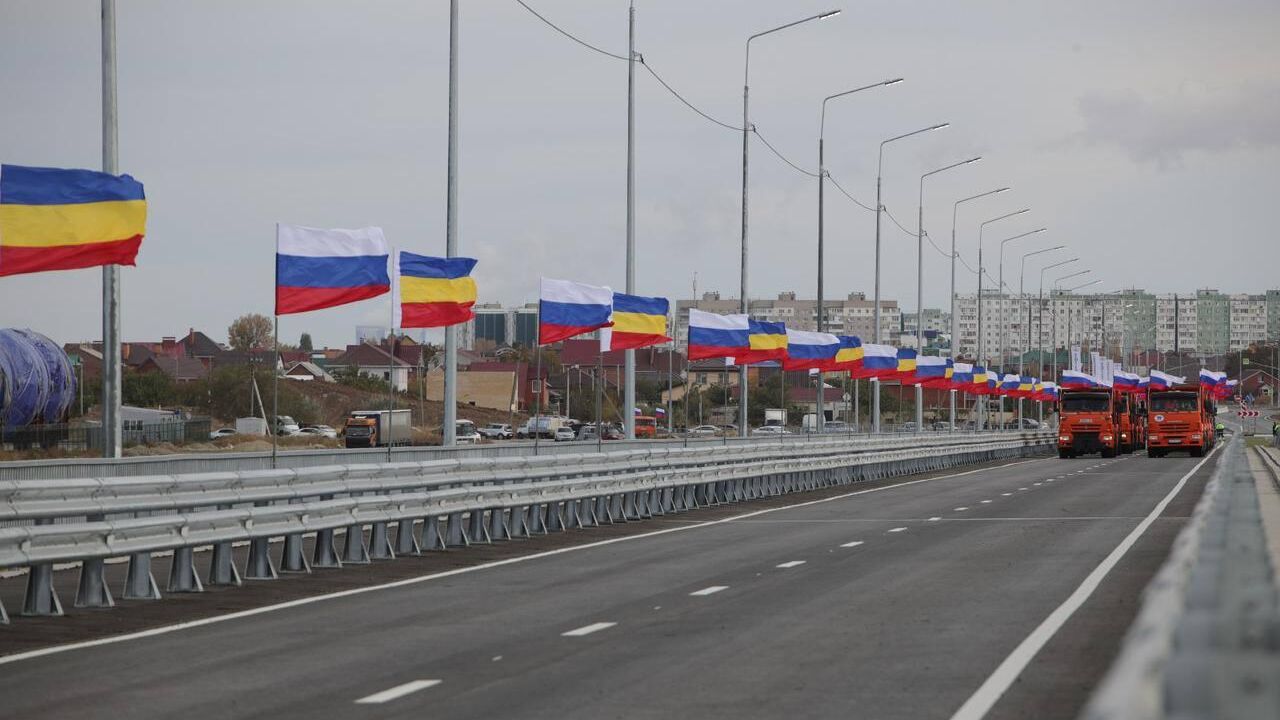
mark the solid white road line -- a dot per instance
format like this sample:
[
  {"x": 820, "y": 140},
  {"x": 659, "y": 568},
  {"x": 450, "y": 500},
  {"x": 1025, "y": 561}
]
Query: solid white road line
[
  {"x": 166, "y": 629},
  {"x": 962, "y": 509},
  {"x": 986, "y": 696},
  {"x": 398, "y": 691},
  {"x": 709, "y": 590},
  {"x": 898, "y": 529},
  {"x": 790, "y": 563},
  {"x": 588, "y": 629},
  {"x": 855, "y": 543}
]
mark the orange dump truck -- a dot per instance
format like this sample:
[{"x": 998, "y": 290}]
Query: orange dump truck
[
  {"x": 1179, "y": 418},
  {"x": 1087, "y": 423}
]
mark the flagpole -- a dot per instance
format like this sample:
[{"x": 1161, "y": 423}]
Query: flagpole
[
  {"x": 600, "y": 401},
  {"x": 449, "y": 432},
  {"x": 112, "y": 441},
  {"x": 629, "y": 393},
  {"x": 537, "y": 374},
  {"x": 391, "y": 365},
  {"x": 275, "y": 392}
]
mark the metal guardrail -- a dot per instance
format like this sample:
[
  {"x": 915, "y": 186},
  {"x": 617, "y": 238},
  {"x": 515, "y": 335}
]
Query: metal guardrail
[
  {"x": 1206, "y": 642},
  {"x": 234, "y": 461},
  {"x": 431, "y": 504}
]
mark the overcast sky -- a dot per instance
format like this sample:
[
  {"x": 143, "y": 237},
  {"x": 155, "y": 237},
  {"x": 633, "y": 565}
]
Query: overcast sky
[{"x": 1143, "y": 134}]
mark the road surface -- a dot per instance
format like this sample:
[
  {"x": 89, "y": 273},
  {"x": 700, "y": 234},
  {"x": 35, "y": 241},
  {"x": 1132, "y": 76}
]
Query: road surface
[{"x": 899, "y": 602}]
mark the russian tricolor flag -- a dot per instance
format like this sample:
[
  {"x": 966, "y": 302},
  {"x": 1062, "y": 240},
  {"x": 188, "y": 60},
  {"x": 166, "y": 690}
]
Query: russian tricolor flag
[
  {"x": 1126, "y": 382},
  {"x": 1009, "y": 385},
  {"x": 1211, "y": 379},
  {"x": 717, "y": 336},
  {"x": 567, "y": 309},
  {"x": 961, "y": 376},
  {"x": 931, "y": 371},
  {"x": 878, "y": 361},
  {"x": 1164, "y": 381},
  {"x": 318, "y": 269},
  {"x": 1077, "y": 380},
  {"x": 810, "y": 350}
]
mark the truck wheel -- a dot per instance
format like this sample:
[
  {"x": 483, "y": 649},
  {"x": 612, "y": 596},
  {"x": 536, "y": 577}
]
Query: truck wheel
[
  {"x": 1108, "y": 452},
  {"x": 1153, "y": 453},
  {"x": 1064, "y": 454},
  {"x": 1197, "y": 452}
]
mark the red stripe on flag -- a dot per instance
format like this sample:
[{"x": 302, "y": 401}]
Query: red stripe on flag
[
  {"x": 631, "y": 341},
  {"x": 291, "y": 300},
  {"x": 429, "y": 315},
  {"x": 19, "y": 260}
]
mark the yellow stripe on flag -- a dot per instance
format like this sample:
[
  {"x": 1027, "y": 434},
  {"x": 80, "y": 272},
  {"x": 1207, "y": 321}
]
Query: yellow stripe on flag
[
  {"x": 77, "y": 224},
  {"x": 429, "y": 290},
  {"x": 639, "y": 323},
  {"x": 768, "y": 342}
]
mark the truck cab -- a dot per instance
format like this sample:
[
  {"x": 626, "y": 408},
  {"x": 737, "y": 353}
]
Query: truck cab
[
  {"x": 1180, "y": 418},
  {"x": 1087, "y": 424}
]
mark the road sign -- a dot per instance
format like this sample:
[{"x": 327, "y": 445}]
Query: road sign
[{"x": 1248, "y": 413}]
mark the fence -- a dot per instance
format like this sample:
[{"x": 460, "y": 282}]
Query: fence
[
  {"x": 1206, "y": 642},
  {"x": 237, "y": 461},
  {"x": 431, "y": 504},
  {"x": 90, "y": 437}
]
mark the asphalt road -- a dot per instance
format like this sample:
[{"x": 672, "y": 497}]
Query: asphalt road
[{"x": 900, "y": 602}]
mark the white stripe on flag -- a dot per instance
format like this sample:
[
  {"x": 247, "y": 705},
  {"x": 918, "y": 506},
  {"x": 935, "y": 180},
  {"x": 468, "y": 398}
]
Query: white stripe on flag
[{"x": 301, "y": 241}]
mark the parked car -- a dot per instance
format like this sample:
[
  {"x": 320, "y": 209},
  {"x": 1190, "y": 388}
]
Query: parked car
[
  {"x": 704, "y": 431},
  {"x": 564, "y": 433},
  {"x": 319, "y": 431},
  {"x": 771, "y": 430},
  {"x": 836, "y": 427},
  {"x": 221, "y": 433},
  {"x": 497, "y": 431},
  {"x": 1027, "y": 424},
  {"x": 941, "y": 426},
  {"x": 907, "y": 427},
  {"x": 465, "y": 433}
]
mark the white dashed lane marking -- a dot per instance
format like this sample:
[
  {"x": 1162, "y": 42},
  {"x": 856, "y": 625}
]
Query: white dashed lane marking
[
  {"x": 855, "y": 543},
  {"x": 898, "y": 529},
  {"x": 398, "y": 691},
  {"x": 709, "y": 590},
  {"x": 791, "y": 563},
  {"x": 588, "y": 629}
]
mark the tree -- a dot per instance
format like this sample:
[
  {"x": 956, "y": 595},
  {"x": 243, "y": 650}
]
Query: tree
[
  {"x": 250, "y": 332},
  {"x": 304, "y": 343}
]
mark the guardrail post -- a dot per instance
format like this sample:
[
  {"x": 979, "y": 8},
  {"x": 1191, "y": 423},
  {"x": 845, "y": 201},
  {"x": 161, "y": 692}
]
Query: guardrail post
[
  {"x": 325, "y": 554},
  {"x": 475, "y": 524},
  {"x": 222, "y": 571},
  {"x": 41, "y": 598},
  {"x": 4, "y": 616},
  {"x": 498, "y": 524},
  {"x": 431, "y": 537},
  {"x": 140, "y": 583},
  {"x": 406, "y": 541},
  {"x": 93, "y": 591},
  {"x": 355, "y": 552},
  {"x": 380, "y": 542},
  {"x": 516, "y": 524},
  {"x": 182, "y": 572},
  {"x": 259, "y": 566},
  {"x": 293, "y": 559}
]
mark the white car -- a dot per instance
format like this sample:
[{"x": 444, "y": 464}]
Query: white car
[
  {"x": 465, "y": 433},
  {"x": 497, "y": 431},
  {"x": 772, "y": 430},
  {"x": 319, "y": 431},
  {"x": 221, "y": 433},
  {"x": 705, "y": 431},
  {"x": 564, "y": 433}
]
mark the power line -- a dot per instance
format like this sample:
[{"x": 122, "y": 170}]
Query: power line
[
  {"x": 569, "y": 35},
  {"x": 781, "y": 157},
  {"x": 682, "y": 99},
  {"x": 868, "y": 208}
]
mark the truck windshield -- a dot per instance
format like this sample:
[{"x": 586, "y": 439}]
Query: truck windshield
[
  {"x": 1093, "y": 402},
  {"x": 1173, "y": 402},
  {"x": 358, "y": 430}
]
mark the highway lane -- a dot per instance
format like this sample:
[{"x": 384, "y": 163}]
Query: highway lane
[{"x": 893, "y": 603}]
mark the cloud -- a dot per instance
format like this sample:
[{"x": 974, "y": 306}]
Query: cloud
[{"x": 1164, "y": 129}]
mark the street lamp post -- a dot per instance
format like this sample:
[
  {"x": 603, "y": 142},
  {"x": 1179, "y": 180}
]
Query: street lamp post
[
  {"x": 981, "y": 344},
  {"x": 1022, "y": 294},
  {"x": 1002, "y": 344},
  {"x": 955, "y": 323},
  {"x": 1040, "y": 323},
  {"x": 822, "y": 176},
  {"x": 875, "y": 382},
  {"x": 920, "y": 281},
  {"x": 746, "y": 131},
  {"x": 1053, "y": 292}
]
